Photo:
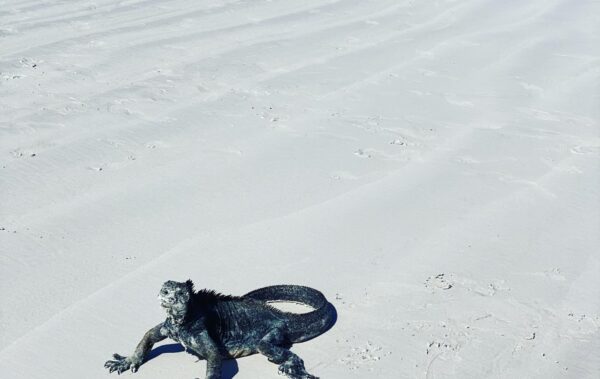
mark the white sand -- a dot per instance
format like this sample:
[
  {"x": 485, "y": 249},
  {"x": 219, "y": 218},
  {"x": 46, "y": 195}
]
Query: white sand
[{"x": 433, "y": 167}]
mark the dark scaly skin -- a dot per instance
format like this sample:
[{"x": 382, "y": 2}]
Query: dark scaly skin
[{"x": 217, "y": 327}]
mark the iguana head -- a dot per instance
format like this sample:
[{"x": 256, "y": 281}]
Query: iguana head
[{"x": 174, "y": 297}]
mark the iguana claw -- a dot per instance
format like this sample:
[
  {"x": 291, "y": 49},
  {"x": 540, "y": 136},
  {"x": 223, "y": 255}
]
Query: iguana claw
[
  {"x": 294, "y": 369},
  {"x": 120, "y": 364}
]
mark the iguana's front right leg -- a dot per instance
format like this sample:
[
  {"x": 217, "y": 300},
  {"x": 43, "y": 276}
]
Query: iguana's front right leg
[{"x": 121, "y": 364}]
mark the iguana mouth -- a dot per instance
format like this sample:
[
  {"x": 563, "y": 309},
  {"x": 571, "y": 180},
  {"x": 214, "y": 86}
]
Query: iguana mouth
[{"x": 166, "y": 303}]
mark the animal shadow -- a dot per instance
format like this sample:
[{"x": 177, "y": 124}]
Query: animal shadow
[
  {"x": 228, "y": 370},
  {"x": 163, "y": 349}
]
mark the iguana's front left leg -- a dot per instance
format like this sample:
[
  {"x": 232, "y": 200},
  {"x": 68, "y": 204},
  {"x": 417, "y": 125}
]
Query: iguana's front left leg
[
  {"x": 121, "y": 364},
  {"x": 209, "y": 349},
  {"x": 213, "y": 367}
]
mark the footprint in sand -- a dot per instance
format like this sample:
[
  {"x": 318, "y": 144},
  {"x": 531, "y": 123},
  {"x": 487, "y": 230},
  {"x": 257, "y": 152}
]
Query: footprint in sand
[
  {"x": 437, "y": 347},
  {"x": 18, "y": 153},
  {"x": 156, "y": 145},
  {"x": 363, "y": 356},
  {"x": 553, "y": 274},
  {"x": 440, "y": 282},
  {"x": 444, "y": 282},
  {"x": 8, "y": 76},
  {"x": 271, "y": 116},
  {"x": 363, "y": 153},
  {"x": 399, "y": 142}
]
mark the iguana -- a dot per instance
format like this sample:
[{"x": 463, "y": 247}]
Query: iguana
[{"x": 215, "y": 327}]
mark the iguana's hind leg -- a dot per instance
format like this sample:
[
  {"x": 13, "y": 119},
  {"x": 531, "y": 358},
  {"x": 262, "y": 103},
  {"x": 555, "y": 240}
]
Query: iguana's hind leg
[{"x": 289, "y": 363}]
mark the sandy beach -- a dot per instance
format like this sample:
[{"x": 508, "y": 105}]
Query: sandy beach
[{"x": 432, "y": 167}]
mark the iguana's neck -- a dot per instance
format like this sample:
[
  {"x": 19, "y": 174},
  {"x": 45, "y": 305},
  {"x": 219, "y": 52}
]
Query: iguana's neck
[{"x": 177, "y": 313}]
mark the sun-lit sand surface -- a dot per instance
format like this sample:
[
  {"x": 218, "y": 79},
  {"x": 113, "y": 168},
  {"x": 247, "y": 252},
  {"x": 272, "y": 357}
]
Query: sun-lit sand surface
[{"x": 432, "y": 166}]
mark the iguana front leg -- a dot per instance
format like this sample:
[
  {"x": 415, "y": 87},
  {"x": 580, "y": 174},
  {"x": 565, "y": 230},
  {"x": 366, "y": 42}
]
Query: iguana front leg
[
  {"x": 121, "y": 364},
  {"x": 208, "y": 348},
  {"x": 213, "y": 368}
]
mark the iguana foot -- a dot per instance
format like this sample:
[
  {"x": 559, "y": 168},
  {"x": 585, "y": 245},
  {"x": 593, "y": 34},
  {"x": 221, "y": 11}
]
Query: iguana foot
[
  {"x": 122, "y": 364},
  {"x": 294, "y": 368}
]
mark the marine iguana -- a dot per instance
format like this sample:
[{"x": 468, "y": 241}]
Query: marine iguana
[{"x": 215, "y": 327}]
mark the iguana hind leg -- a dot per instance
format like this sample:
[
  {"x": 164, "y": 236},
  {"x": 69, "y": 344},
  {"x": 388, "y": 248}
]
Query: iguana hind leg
[{"x": 290, "y": 364}]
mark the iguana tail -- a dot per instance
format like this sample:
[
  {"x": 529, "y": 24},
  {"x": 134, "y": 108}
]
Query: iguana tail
[{"x": 301, "y": 326}]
